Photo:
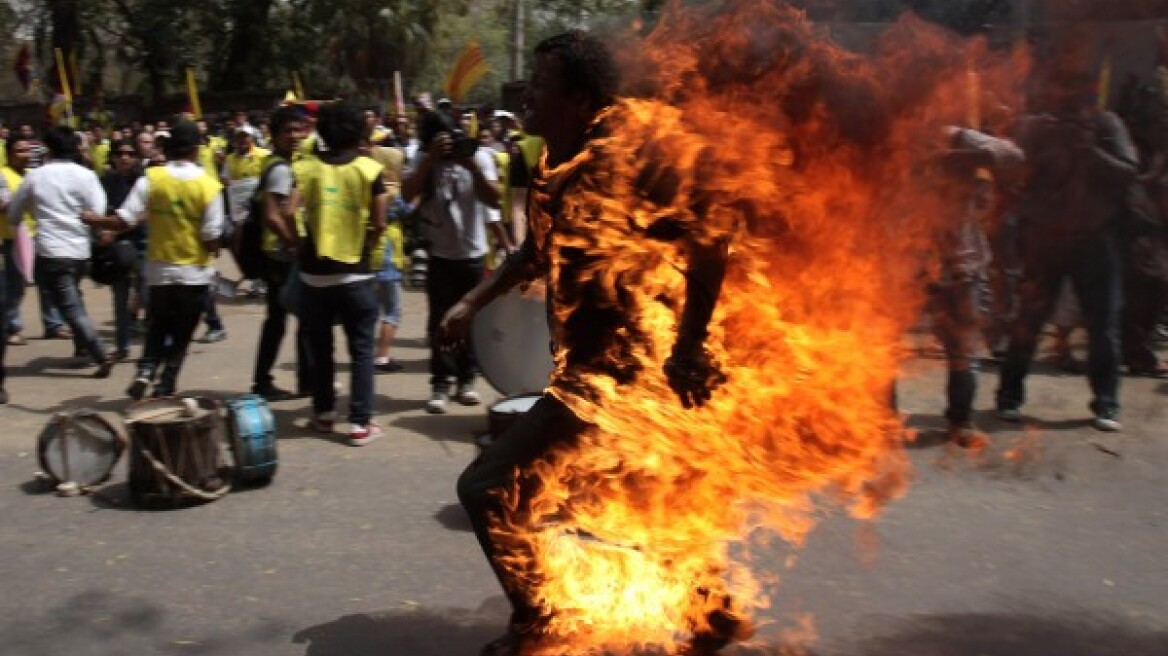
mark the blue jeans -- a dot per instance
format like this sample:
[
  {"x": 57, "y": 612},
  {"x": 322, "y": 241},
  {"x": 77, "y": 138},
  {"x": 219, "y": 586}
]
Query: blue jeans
[
  {"x": 446, "y": 283},
  {"x": 1094, "y": 267},
  {"x": 14, "y": 280},
  {"x": 272, "y": 333},
  {"x": 59, "y": 278},
  {"x": 355, "y": 305}
]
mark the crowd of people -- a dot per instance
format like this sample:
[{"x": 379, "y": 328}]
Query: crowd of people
[{"x": 146, "y": 209}]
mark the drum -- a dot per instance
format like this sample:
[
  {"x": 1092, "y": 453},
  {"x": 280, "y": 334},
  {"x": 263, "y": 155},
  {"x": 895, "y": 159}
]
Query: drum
[
  {"x": 79, "y": 447},
  {"x": 512, "y": 344},
  {"x": 502, "y": 414},
  {"x": 175, "y": 452},
  {"x": 251, "y": 431}
]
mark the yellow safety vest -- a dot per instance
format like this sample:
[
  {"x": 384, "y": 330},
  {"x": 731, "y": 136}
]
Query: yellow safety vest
[
  {"x": 207, "y": 160},
  {"x": 101, "y": 154},
  {"x": 337, "y": 202},
  {"x": 271, "y": 242},
  {"x": 3, "y": 152},
  {"x": 250, "y": 165},
  {"x": 174, "y": 214},
  {"x": 13, "y": 180}
]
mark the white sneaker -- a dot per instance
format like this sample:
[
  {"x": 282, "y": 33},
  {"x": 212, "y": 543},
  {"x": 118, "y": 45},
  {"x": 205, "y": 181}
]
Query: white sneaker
[
  {"x": 466, "y": 395},
  {"x": 1107, "y": 422},
  {"x": 437, "y": 403},
  {"x": 362, "y": 435}
]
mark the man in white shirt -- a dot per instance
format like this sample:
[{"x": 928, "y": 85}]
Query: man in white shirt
[
  {"x": 57, "y": 194},
  {"x": 183, "y": 209}
]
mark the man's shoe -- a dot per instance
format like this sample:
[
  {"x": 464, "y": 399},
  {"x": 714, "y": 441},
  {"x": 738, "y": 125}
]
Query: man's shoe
[
  {"x": 59, "y": 333},
  {"x": 437, "y": 403},
  {"x": 967, "y": 437},
  {"x": 212, "y": 336},
  {"x": 1009, "y": 413},
  {"x": 388, "y": 367},
  {"x": 362, "y": 435},
  {"x": 272, "y": 393},
  {"x": 1107, "y": 421},
  {"x": 466, "y": 395},
  {"x": 137, "y": 389},
  {"x": 104, "y": 369},
  {"x": 16, "y": 339},
  {"x": 323, "y": 422},
  {"x": 119, "y": 356}
]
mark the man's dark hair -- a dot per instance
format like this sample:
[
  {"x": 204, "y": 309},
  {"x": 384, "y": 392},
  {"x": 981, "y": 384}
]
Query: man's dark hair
[
  {"x": 10, "y": 145},
  {"x": 432, "y": 123},
  {"x": 340, "y": 125},
  {"x": 283, "y": 116},
  {"x": 62, "y": 142},
  {"x": 589, "y": 66}
]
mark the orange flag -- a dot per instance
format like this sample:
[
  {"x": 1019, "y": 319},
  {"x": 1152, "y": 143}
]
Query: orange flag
[{"x": 468, "y": 70}]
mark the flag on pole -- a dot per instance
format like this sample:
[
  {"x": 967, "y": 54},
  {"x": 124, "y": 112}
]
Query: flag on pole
[
  {"x": 297, "y": 86},
  {"x": 63, "y": 76},
  {"x": 22, "y": 66},
  {"x": 193, "y": 94},
  {"x": 1104, "y": 91},
  {"x": 61, "y": 109},
  {"x": 470, "y": 67}
]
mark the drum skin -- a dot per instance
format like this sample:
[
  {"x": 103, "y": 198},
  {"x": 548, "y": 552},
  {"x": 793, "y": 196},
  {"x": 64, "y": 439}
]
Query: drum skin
[
  {"x": 252, "y": 432},
  {"x": 512, "y": 343},
  {"x": 79, "y": 447}
]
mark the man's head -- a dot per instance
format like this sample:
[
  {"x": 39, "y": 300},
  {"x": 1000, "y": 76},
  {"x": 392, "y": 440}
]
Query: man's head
[
  {"x": 62, "y": 142},
  {"x": 239, "y": 117},
  {"x": 574, "y": 78},
  {"x": 372, "y": 120},
  {"x": 19, "y": 151},
  {"x": 98, "y": 132},
  {"x": 25, "y": 131},
  {"x": 340, "y": 125},
  {"x": 289, "y": 126},
  {"x": 124, "y": 156},
  {"x": 242, "y": 140},
  {"x": 202, "y": 125},
  {"x": 145, "y": 143},
  {"x": 183, "y": 142},
  {"x": 162, "y": 126}
]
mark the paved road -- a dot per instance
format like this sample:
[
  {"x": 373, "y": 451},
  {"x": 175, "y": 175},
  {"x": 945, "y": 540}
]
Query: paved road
[{"x": 357, "y": 552}]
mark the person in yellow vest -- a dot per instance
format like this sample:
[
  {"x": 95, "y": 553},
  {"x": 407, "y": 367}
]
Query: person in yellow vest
[
  {"x": 18, "y": 151},
  {"x": 241, "y": 171},
  {"x": 345, "y": 202},
  {"x": 99, "y": 150},
  {"x": 289, "y": 126},
  {"x": 183, "y": 211}
]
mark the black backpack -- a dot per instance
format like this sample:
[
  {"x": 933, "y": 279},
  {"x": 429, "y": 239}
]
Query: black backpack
[{"x": 247, "y": 244}]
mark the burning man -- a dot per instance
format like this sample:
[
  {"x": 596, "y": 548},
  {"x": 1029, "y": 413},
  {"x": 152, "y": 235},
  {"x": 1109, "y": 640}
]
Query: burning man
[{"x": 596, "y": 336}]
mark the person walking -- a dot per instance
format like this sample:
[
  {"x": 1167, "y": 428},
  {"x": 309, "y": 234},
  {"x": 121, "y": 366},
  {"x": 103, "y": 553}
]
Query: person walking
[
  {"x": 182, "y": 209},
  {"x": 57, "y": 194}
]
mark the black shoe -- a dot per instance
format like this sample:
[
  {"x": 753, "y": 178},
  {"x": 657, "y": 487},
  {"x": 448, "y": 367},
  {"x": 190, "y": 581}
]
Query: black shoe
[
  {"x": 104, "y": 369},
  {"x": 137, "y": 389},
  {"x": 390, "y": 367},
  {"x": 272, "y": 393}
]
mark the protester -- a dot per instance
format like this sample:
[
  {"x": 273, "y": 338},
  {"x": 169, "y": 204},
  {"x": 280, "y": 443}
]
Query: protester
[
  {"x": 57, "y": 193},
  {"x": 457, "y": 190},
  {"x": 279, "y": 244},
  {"x": 497, "y": 486},
  {"x": 1077, "y": 157},
  {"x": 117, "y": 183},
  {"x": 183, "y": 212},
  {"x": 345, "y": 204},
  {"x": 388, "y": 258}
]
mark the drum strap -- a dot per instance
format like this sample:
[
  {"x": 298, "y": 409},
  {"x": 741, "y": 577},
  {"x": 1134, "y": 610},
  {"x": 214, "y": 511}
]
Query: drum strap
[{"x": 163, "y": 471}]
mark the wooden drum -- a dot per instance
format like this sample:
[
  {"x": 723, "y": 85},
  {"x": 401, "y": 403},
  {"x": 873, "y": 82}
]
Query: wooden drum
[{"x": 176, "y": 452}]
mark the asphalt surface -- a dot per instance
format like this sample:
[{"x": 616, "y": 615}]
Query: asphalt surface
[{"x": 1060, "y": 549}]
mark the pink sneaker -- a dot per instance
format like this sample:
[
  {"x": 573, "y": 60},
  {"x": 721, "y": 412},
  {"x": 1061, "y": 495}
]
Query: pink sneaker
[
  {"x": 362, "y": 435},
  {"x": 323, "y": 423}
]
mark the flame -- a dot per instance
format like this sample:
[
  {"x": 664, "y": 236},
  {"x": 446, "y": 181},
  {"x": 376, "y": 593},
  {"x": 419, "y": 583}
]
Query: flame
[{"x": 749, "y": 128}]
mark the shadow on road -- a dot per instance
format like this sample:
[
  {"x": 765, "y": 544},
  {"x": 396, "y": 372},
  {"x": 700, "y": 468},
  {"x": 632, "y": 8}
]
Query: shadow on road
[
  {"x": 1016, "y": 635},
  {"x": 453, "y": 518},
  {"x": 416, "y": 632}
]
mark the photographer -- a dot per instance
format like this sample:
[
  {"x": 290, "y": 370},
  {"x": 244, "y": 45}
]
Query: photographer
[{"x": 456, "y": 183}]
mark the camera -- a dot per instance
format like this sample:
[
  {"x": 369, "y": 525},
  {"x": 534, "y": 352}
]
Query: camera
[{"x": 464, "y": 147}]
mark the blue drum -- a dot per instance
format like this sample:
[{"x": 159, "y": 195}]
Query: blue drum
[{"x": 252, "y": 433}]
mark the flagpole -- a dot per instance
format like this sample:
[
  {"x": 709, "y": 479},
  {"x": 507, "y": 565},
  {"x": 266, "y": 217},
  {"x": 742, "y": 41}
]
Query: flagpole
[
  {"x": 193, "y": 94},
  {"x": 65, "y": 90}
]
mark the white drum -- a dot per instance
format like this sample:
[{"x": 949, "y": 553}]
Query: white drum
[{"x": 512, "y": 343}]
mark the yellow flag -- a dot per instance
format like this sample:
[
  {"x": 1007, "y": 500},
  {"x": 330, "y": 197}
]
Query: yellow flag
[
  {"x": 63, "y": 76},
  {"x": 1104, "y": 83},
  {"x": 297, "y": 86},
  {"x": 193, "y": 94},
  {"x": 290, "y": 97},
  {"x": 468, "y": 70}
]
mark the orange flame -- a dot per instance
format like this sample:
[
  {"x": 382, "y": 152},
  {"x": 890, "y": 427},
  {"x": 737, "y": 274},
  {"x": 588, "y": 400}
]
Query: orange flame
[{"x": 807, "y": 158}]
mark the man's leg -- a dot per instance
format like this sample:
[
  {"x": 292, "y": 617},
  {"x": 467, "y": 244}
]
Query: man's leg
[
  {"x": 51, "y": 319},
  {"x": 1096, "y": 273},
  {"x": 548, "y": 425},
  {"x": 120, "y": 292},
  {"x": 359, "y": 318},
  {"x": 317, "y": 323},
  {"x": 469, "y": 274},
  {"x": 957, "y": 321},
  {"x": 1143, "y": 299},
  {"x": 274, "y": 327},
  {"x": 14, "y": 292},
  {"x": 61, "y": 278},
  {"x": 184, "y": 321},
  {"x": 161, "y": 302},
  {"x": 1037, "y": 295},
  {"x": 440, "y": 297},
  {"x": 3, "y": 328}
]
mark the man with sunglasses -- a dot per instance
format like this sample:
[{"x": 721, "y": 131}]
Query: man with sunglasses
[{"x": 125, "y": 169}]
